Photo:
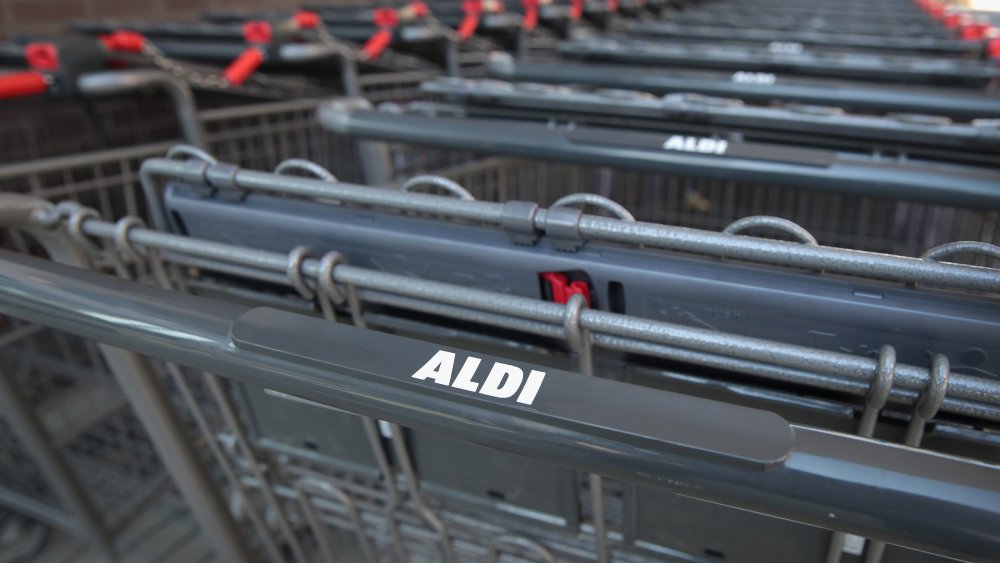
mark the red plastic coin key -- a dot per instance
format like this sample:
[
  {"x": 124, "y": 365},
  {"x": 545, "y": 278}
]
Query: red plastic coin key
[
  {"x": 385, "y": 19},
  {"x": 246, "y": 64},
  {"x": 473, "y": 9},
  {"x": 530, "y": 19}
]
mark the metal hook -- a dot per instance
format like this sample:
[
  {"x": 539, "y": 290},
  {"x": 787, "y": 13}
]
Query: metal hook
[
  {"x": 304, "y": 165},
  {"x": 123, "y": 245},
  {"x": 445, "y": 184},
  {"x": 579, "y": 341},
  {"x": 595, "y": 200},
  {"x": 927, "y": 406},
  {"x": 773, "y": 223},
  {"x": 930, "y": 400},
  {"x": 75, "y": 227},
  {"x": 294, "y": 271},
  {"x": 946, "y": 250},
  {"x": 190, "y": 152},
  {"x": 878, "y": 391},
  {"x": 575, "y": 334},
  {"x": 522, "y": 543},
  {"x": 327, "y": 285}
]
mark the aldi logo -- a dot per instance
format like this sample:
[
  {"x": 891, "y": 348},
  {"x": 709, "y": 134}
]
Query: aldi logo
[
  {"x": 700, "y": 145},
  {"x": 502, "y": 380}
]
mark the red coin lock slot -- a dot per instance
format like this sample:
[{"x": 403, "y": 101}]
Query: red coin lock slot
[{"x": 558, "y": 288}]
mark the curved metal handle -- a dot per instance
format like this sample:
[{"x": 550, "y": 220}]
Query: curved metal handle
[
  {"x": 303, "y": 165},
  {"x": 187, "y": 151},
  {"x": 609, "y": 205},
  {"x": 446, "y": 184},
  {"x": 939, "y": 253},
  {"x": 774, "y": 224}
]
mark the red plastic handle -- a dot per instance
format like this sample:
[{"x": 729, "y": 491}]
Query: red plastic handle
[
  {"x": 20, "y": 84},
  {"x": 467, "y": 28},
  {"x": 419, "y": 9},
  {"x": 243, "y": 66},
  {"x": 385, "y": 17},
  {"x": 377, "y": 43},
  {"x": 993, "y": 48},
  {"x": 307, "y": 20},
  {"x": 575, "y": 9},
  {"x": 42, "y": 56},
  {"x": 257, "y": 32},
  {"x": 123, "y": 41},
  {"x": 472, "y": 9},
  {"x": 530, "y": 19},
  {"x": 975, "y": 31}
]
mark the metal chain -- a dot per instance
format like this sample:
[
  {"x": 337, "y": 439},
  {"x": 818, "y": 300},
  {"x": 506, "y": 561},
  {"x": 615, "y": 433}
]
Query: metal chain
[{"x": 193, "y": 77}]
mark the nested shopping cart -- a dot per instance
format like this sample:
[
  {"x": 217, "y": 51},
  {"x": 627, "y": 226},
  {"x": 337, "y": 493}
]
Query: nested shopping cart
[
  {"x": 78, "y": 410},
  {"x": 407, "y": 436}
]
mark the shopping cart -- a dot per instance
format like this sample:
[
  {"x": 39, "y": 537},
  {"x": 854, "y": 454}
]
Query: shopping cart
[
  {"x": 67, "y": 383},
  {"x": 689, "y": 186},
  {"x": 292, "y": 488}
]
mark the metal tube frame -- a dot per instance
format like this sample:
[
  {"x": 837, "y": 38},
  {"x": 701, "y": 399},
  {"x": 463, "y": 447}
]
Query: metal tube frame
[{"x": 198, "y": 332}]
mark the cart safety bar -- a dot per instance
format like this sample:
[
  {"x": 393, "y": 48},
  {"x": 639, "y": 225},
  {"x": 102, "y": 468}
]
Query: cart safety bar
[
  {"x": 722, "y": 453},
  {"x": 686, "y": 109},
  {"x": 805, "y": 38},
  {"x": 22, "y": 84},
  {"x": 758, "y": 297},
  {"x": 812, "y": 169},
  {"x": 527, "y": 220},
  {"x": 760, "y": 87},
  {"x": 848, "y": 65}
]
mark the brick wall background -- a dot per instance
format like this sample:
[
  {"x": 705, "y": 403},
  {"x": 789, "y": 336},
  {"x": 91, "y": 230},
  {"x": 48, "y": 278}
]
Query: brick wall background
[{"x": 26, "y": 17}]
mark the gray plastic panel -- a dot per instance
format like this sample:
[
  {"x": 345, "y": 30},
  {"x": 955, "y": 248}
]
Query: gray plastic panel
[
  {"x": 867, "y": 66},
  {"x": 467, "y": 472},
  {"x": 666, "y": 422},
  {"x": 758, "y": 87},
  {"x": 812, "y": 169},
  {"x": 717, "y": 532},
  {"x": 336, "y": 437},
  {"x": 695, "y": 114},
  {"x": 826, "y": 312}
]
